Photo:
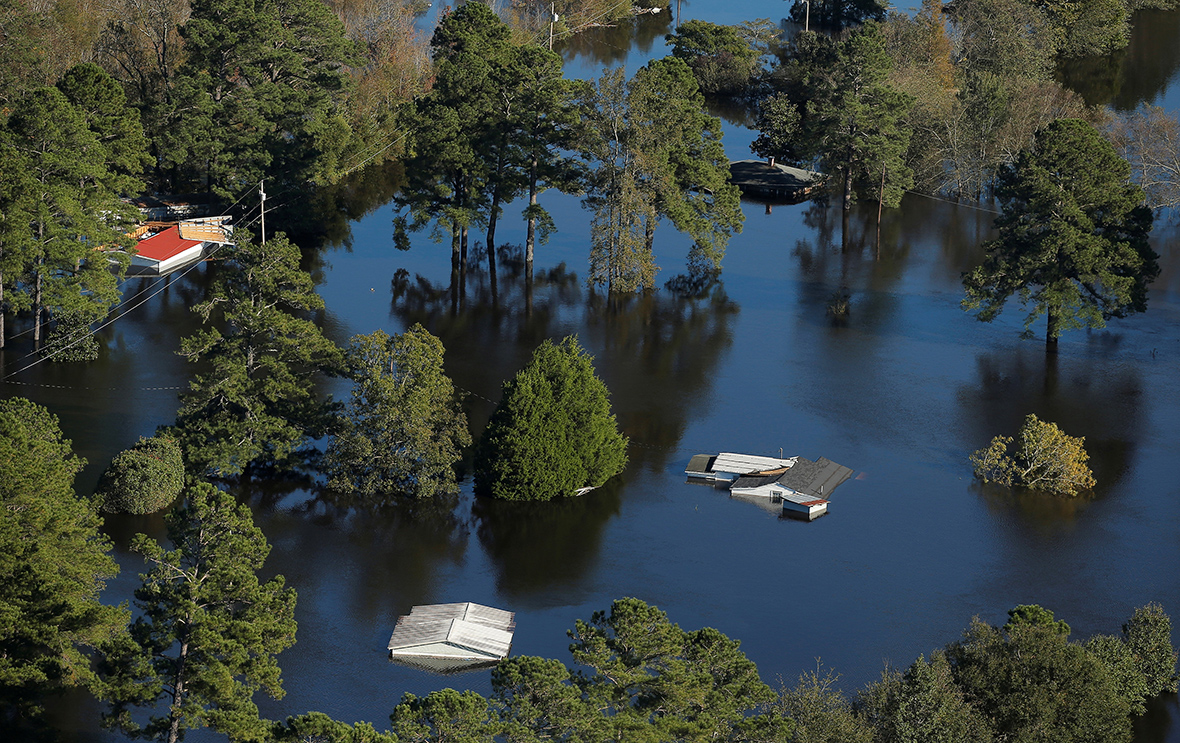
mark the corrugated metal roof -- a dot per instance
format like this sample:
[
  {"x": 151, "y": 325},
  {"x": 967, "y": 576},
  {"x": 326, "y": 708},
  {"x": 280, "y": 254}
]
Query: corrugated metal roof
[
  {"x": 745, "y": 463},
  {"x": 468, "y": 630}
]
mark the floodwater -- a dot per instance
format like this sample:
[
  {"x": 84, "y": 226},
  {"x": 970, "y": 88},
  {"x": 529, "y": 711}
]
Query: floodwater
[{"x": 902, "y": 392}]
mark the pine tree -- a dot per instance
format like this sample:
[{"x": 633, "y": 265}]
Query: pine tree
[
  {"x": 552, "y": 432},
  {"x": 255, "y": 402},
  {"x": 210, "y": 629},
  {"x": 1073, "y": 236},
  {"x": 53, "y": 564}
]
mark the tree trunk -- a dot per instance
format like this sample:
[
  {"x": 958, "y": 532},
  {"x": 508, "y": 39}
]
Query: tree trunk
[
  {"x": 463, "y": 266},
  {"x": 491, "y": 240},
  {"x": 37, "y": 309},
  {"x": 1, "y": 310},
  {"x": 1051, "y": 332},
  {"x": 454, "y": 266},
  {"x": 847, "y": 200},
  {"x": 178, "y": 692},
  {"x": 531, "y": 234}
]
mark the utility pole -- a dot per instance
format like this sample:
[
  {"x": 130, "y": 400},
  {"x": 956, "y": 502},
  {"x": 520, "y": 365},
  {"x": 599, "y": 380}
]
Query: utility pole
[
  {"x": 552, "y": 20},
  {"x": 262, "y": 205},
  {"x": 807, "y": 15},
  {"x": 677, "y": 16}
]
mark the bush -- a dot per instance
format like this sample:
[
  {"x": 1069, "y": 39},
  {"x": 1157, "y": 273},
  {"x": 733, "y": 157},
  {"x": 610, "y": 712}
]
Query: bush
[
  {"x": 552, "y": 432},
  {"x": 143, "y": 479},
  {"x": 1042, "y": 457}
]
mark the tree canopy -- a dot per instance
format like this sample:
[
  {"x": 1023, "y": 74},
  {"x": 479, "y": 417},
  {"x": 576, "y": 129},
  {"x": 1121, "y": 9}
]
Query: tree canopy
[
  {"x": 403, "y": 431},
  {"x": 54, "y": 562},
  {"x": 552, "y": 432},
  {"x": 209, "y": 631},
  {"x": 1041, "y": 457},
  {"x": 143, "y": 479},
  {"x": 1072, "y": 242},
  {"x": 254, "y": 402}
]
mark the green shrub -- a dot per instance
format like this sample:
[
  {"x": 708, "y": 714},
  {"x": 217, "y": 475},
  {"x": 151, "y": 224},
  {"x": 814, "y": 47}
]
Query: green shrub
[{"x": 143, "y": 479}]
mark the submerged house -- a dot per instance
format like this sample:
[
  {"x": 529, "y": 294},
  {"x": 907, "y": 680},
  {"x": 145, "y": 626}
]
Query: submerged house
[
  {"x": 164, "y": 247},
  {"x": 800, "y": 485},
  {"x": 449, "y": 637}
]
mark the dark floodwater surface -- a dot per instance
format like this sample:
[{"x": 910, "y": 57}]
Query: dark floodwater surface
[{"x": 902, "y": 392}]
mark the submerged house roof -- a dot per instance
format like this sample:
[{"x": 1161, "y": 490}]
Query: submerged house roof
[
  {"x": 818, "y": 478},
  {"x": 461, "y": 632}
]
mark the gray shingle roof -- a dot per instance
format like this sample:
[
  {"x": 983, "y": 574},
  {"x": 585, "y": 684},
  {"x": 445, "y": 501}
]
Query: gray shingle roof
[{"x": 817, "y": 478}]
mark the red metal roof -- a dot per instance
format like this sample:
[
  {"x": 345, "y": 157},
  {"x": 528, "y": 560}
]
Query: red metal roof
[{"x": 164, "y": 245}]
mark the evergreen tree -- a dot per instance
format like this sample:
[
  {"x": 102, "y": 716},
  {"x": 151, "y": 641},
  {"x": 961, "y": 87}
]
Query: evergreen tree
[
  {"x": 652, "y": 680},
  {"x": 1073, "y": 236},
  {"x": 847, "y": 116},
  {"x": 403, "y": 431},
  {"x": 659, "y": 155},
  {"x": 143, "y": 479},
  {"x": 254, "y": 402},
  {"x": 721, "y": 60},
  {"x": 210, "y": 629},
  {"x": 923, "y": 705},
  {"x": 72, "y": 206},
  {"x": 1035, "y": 685},
  {"x": 447, "y": 715},
  {"x": 552, "y": 432},
  {"x": 259, "y": 93},
  {"x": 53, "y": 565}
]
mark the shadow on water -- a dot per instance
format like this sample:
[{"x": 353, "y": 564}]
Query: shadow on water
[
  {"x": 1083, "y": 393},
  {"x": 614, "y": 44},
  {"x": 538, "y": 547},
  {"x": 1138, "y": 74}
]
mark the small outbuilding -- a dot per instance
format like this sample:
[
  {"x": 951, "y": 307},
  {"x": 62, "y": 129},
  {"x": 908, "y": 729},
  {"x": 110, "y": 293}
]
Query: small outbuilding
[
  {"x": 455, "y": 633},
  {"x": 800, "y": 485}
]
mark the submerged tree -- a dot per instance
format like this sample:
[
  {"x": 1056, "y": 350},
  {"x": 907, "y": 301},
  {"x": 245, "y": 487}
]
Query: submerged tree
[
  {"x": 659, "y": 156},
  {"x": 403, "y": 431},
  {"x": 553, "y": 431},
  {"x": 1073, "y": 236},
  {"x": 1042, "y": 457},
  {"x": 143, "y": 479},
  {"x": 54, "y": 562},
  {"x": 210, "y": 629},
  {"x": 255, "y": 403}
]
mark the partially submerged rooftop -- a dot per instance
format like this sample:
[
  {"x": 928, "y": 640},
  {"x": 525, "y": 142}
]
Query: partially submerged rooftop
[{"x": 456, "y": 632}]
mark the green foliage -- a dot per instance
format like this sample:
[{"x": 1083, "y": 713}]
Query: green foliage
[
  {"x": 447, "y": 715},
  {"x": 53, "y": 564},
  {"x": 654, "y": 681},
  {"x": 1126, "y": 678},
  {"x": 403, "y": 431},
  {"x": 1035, "y": 685},
  {"x": 821, "y": 713},
  {"x": 840, "y": 111},
  {"x": 1148, "y": 635},
  {"x": 722, "y": 61},
  {"x": 1073, "y": 235},
  {"x": 73, "y": 161},
  {"x": 315, "y": 727},
  {"x": 143, "y": 479},
  {"x": 254, "y": 401},
  {"x": 210, "y": 630},
  {"x": 258, "y": 94},
  {"x": 552, "y": 432},
  {"x": 659, "y": 156},
  {"x": 1087, "y": 27},
  {"x": 923, "y": 705},
  {"x": 837, "y": 14},
  {"x": 1043, "y": 458}
]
